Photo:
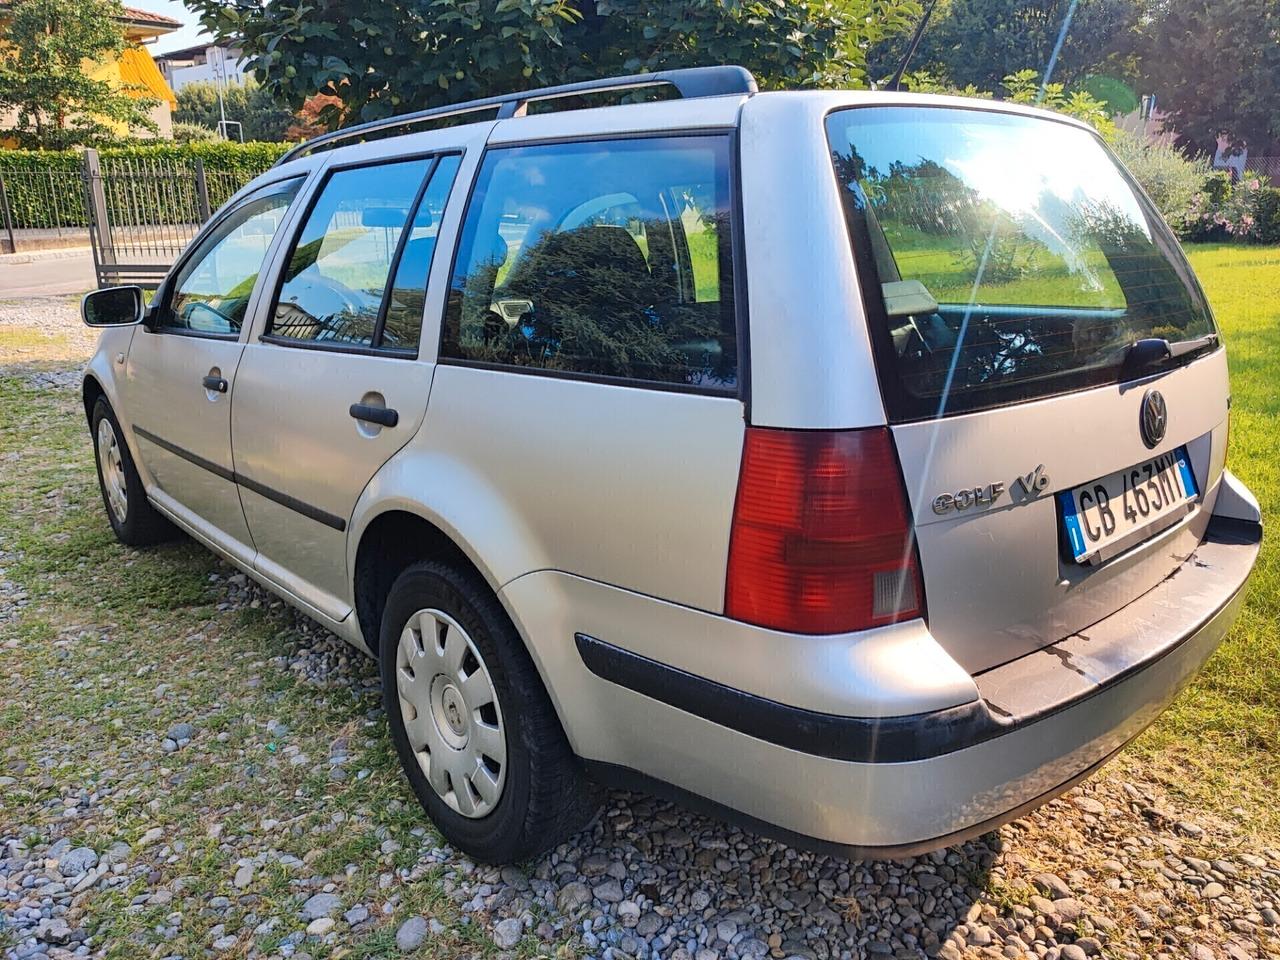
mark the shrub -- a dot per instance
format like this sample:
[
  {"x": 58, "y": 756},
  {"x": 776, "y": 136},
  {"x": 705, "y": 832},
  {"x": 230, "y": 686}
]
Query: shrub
[
  {"x": 1171, "y": 180},
  {"x": 31, "y": 176},
  {"x": 193, "y": 133},
  {"x": 1266, "y": 213}
]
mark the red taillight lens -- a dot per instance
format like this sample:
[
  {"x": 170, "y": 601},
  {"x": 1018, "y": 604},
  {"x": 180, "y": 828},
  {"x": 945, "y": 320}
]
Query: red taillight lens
[{"x": 821, "y": 539}]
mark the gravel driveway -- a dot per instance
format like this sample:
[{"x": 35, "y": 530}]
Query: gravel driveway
[{"x": 187, "y": 768}]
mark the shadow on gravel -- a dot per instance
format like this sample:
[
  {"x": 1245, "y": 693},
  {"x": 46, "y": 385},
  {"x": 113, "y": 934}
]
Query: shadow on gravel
[{"x": 738, "y": 894}]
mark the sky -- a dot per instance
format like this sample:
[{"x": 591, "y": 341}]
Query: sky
[{"x": 188, "y": 36}]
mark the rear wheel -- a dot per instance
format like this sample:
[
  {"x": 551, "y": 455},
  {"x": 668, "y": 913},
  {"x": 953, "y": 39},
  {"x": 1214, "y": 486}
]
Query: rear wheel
[
  {"x": 471, "y": 722},
  {"x": 133, "y": 519}
]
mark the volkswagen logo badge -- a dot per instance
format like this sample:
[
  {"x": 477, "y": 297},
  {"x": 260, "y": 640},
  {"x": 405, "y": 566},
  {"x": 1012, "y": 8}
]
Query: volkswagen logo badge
[{"x": 1155, "y": 418}]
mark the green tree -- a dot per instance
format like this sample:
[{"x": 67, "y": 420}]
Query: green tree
[
  {"x": 980, "y": 42},
  {"x": 1214, "y": 68},
  {"x": 1024, "y": 87},
  {"x": 44, "y": 49},
  {"x": 390, "y": 56},
  {"x": 249, "y": 103}
]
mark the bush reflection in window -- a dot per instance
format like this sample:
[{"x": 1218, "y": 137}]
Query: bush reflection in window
[{"x": 608, "y": 258}]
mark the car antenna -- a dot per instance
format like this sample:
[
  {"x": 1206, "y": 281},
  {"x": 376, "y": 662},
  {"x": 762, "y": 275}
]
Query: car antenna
[{"x": 896, "y": 82}]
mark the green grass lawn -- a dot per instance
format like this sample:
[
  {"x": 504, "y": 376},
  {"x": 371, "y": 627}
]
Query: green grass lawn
[
  {"x": 946, "y": 265},
  {"x": 1220, "y": 742}
]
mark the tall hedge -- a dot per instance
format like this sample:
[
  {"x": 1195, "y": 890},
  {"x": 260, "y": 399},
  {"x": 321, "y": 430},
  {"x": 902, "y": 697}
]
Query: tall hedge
[{"x": 45, "y": 190}]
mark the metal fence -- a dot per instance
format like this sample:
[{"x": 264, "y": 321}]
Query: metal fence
[
  {"x": 1265, "y": 169},
  {"x": 44, "y": 199},
  {"x": 143, "y": 213},
  {"x": 137, "y": 215}
]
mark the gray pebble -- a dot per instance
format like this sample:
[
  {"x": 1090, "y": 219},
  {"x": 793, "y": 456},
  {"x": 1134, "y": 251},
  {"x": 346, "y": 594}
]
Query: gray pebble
[
  {"x": 507, "y": 933},
  {"x": 411, "y": 934},
  {"x": 77, "y": 861},
  {"x": 321, "y": 905},
  {"x": 610, "y": 891}
]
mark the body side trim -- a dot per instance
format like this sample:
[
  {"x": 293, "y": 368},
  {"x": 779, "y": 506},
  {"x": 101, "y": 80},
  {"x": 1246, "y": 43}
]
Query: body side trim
[
  {"x": 216, "y": 469},
  {"x": 292, "y": 503}
]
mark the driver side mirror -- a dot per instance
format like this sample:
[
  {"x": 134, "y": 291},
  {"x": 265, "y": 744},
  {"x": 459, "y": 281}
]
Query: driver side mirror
[{"x": 112, "y": 307}]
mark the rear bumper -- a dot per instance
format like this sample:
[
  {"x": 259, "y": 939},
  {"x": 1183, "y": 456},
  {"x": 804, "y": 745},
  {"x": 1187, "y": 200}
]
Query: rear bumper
[{"x": 895, "y": 785}]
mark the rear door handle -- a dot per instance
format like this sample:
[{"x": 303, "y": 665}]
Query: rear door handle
[
  {"x": 383, "y": 416},
  {"x": 216, "y": 384}
]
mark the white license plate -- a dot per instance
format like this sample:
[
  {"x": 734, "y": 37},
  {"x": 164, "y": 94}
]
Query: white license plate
[{"x": 1110, "y": 513}]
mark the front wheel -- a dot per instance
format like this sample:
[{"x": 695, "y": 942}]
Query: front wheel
[
  {"x": 133, "y": 519},
  {"x": 473, "y": 726}
]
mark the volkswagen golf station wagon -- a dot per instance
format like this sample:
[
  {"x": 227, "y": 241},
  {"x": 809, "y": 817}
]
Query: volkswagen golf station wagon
[{"x": 850, "y": 466}]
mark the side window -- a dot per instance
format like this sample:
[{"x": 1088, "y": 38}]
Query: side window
[
  {"x": 405, "y": 300},
  {"x": 608, "y": 258},
  {"x": 336, "y": 275},
  {"x": 211, "y": 291}
]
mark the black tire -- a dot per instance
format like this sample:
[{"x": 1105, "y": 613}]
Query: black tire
[
  {"x": 545, "y": 798},
  {"x": 141, "y": 525}
]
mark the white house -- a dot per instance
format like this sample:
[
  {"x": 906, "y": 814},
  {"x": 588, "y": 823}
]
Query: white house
[{"x": 204, "y": 63}]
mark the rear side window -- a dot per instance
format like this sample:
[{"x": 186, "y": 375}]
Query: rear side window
[
  {"x": 609, "y": 259},
  {"x": 1014, "y": 258}
]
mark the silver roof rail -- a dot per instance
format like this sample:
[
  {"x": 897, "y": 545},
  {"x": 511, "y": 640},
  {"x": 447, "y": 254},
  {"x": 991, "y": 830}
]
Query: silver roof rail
[{"x": 690, "y": 82}]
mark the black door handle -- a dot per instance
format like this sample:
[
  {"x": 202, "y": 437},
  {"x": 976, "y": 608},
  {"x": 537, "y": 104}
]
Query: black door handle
[
  {"x": 384, "y": 416},
  {"x": 216, "y": 384}
]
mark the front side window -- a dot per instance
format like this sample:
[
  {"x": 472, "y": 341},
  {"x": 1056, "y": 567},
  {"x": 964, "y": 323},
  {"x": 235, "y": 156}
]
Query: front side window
[
  {"x": 211, "y": 291},
  {"x": 608, "y": 258},
  {"x": 335, "y": 278},
  {"x": 1014, "y": 258}
]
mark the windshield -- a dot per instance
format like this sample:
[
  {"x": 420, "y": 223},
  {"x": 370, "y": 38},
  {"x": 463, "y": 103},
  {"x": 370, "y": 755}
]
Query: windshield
[{"x": 1011, "y": 257}]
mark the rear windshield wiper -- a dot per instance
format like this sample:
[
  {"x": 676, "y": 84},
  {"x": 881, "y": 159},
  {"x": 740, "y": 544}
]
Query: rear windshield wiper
[{"x": 1153, "y": 351}]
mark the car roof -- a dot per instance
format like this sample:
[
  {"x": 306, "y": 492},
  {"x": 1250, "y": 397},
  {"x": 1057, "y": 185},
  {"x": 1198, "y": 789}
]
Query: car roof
[
  {"x": 679, "y": 116},
  {"x": 708, "y": 96}
]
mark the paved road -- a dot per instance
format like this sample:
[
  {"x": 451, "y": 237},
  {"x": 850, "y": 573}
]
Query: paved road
[{"x": 43, "y": 278}]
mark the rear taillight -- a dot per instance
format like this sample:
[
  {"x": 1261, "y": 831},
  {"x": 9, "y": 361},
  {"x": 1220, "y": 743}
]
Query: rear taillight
[{"x": 822, "y": 539}]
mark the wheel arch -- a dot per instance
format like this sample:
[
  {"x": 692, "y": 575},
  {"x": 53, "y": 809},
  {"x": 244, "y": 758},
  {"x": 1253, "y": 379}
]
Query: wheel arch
[
  {"x": 424, "y": 504},
  {"x": 389, "y": 542},
  {"x": 90, "y": 392}
]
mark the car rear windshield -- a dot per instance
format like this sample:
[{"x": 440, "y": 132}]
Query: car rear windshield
[{"x": 1004, "y": 258}]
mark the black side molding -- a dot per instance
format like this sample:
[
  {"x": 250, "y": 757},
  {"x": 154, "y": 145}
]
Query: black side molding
[
  {"x": 216, "y": 469},
  {"x": 900, "y": 739},
  {"x": 297, "y": 506},
  {"x": 330, "y": 520}
]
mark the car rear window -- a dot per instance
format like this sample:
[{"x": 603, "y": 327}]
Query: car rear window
[{"x": 1004, "y": 257}]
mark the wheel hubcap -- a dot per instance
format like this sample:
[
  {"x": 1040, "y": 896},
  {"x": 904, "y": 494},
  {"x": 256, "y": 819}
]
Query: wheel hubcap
[
  {"x": 112, "y": 466},
  {"x": 450, "y": 713}
]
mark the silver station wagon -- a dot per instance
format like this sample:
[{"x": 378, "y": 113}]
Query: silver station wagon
[{"x": 847, "y": 465}]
